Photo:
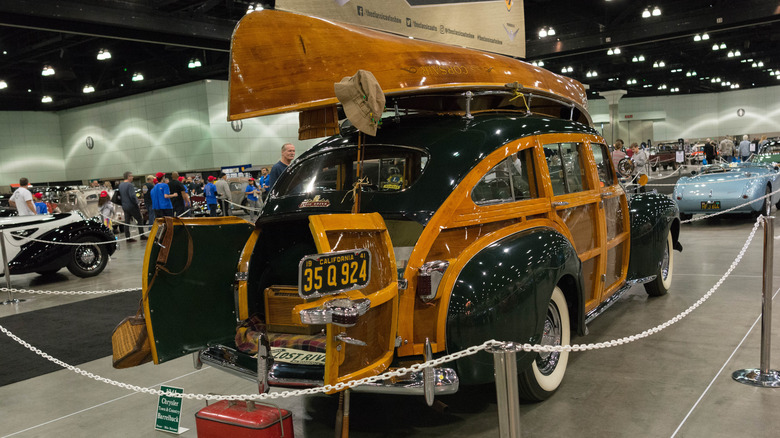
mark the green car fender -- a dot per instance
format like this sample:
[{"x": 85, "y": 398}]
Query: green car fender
[
  {"x": 503, "y": 292},
  {"x": 653, "y": 216}
]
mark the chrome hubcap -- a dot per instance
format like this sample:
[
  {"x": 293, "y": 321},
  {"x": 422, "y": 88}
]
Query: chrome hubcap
[
  {"x": 88, "y": 257},
  {"x": 546, "y": 362}
]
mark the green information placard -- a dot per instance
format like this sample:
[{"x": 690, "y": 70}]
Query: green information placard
[{"x": 169, "y": 411}]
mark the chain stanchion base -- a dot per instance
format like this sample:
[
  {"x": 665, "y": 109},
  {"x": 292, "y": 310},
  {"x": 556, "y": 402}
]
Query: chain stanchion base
[
  {"x": 12, "y": 301},
  {"x": 754, "y": 377}
]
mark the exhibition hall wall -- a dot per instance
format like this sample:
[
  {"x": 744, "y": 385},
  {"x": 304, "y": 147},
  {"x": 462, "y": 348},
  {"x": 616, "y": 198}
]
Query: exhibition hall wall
[
  {"x": 186, "y": 128},
  {"x": 697, "y": 116}
]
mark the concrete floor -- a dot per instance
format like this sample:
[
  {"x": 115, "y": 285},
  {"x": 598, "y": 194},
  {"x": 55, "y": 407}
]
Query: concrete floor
[{"x": 675, "y": 383}]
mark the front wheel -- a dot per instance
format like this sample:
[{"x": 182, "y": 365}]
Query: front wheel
[
  {"x": 544, "y": 375},
  {"x": 89, "y": 259},
  {"x": 663, "y": 278}
]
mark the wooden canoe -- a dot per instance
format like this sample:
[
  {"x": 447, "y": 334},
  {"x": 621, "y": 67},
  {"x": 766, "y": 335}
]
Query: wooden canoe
[{"x": 282, "y": 62}]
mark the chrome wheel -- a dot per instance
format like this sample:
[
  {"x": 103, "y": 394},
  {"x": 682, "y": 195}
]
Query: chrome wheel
[
  {"x": 546, "y": 362},
  {"x": 87, "y": 257}
]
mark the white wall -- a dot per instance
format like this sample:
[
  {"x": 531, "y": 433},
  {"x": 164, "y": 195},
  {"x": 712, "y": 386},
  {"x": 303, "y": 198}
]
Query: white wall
[
  {"x": 698, "y": 116},
  {"x": 185, "y": 128},
  {"x": 30, "y": 146}
]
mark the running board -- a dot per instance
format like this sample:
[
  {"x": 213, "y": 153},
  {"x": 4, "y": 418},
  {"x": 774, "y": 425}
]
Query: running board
[{"x": 616, "y": 296}]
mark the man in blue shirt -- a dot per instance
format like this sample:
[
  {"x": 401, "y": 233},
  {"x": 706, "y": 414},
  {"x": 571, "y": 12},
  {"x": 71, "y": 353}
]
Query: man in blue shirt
[
  {"x": 251, "y": 196},
  {"x": 288, "y": 154},
  {"x": 161, "y": 198},
  {"x": 210, "y": 192},
  {"x": 40, "y": 206}
]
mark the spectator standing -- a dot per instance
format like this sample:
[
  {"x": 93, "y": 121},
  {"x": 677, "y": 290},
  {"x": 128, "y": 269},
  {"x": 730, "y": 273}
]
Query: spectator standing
[
  {"x": 22, "y": 199},
  {"x": 146, "y": 190},
  {"x": 161, "y": 197},
  {"x": 618, "y": 154},
  {"x": 709, "y": 151},
  {"x": 106, "y": 209},
  {"x": 223, "y": 192},
  {"x": 744, "y": 148},
  {"x": 40, "y": 206},
  {"x": 181, "y": 202},
  {"x": 262, "y": 182},
  {"x": 639, "y": 157},
  {"x": 130, "y": 206},
  {"x": 288, "y": 154},
  {"x": 251, "y": 196},
  {"x": 210, "y": 193},
  {"x": 726, "y": 149}
]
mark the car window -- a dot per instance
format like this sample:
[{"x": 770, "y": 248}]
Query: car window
[
  {"x": 510, "y": 180},
  {"x": 385, "y": 169},
  {"x": 564, "y": 161},
  {"x": 603, "y": 164}
]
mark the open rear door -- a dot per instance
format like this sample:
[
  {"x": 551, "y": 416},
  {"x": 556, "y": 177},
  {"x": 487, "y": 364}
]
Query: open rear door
[
  {"x": 362, "y": 347},
  {"x": 192, "y": 306}
]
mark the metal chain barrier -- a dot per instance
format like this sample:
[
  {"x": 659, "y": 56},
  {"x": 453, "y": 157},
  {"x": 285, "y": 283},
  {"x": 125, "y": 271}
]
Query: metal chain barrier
[
  {"x": 31, "y": 239},
  {"x": 491, "y": 344},
  {"x": 245, "y": 207},
  {"x": 69, "y": 292}
]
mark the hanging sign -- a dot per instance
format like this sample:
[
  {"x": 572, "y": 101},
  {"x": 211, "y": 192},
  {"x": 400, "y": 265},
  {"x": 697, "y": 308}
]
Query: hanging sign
[
  {"x": 491, "y": 25},
  {"x": 169, "y": 411}
]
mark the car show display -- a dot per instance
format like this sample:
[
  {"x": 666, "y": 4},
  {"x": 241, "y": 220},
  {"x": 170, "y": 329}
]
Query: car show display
[
  {"x": 721, "y": 187},
  {"x": 485, "y": 207},
  {"x": 47, "y": 243}
]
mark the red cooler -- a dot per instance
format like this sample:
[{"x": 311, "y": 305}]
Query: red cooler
[{"x": 238, "y": 419}]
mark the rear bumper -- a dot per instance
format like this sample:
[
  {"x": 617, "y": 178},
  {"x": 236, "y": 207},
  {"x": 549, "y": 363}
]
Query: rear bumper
[{"x": 300, "y": 376}]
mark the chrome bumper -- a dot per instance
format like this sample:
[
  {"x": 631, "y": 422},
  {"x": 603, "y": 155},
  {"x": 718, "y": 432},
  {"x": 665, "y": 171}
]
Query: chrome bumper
[{"x": 445, "y": 380}]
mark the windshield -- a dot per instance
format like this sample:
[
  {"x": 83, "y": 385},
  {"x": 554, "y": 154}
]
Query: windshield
[{"x": 385, "y": 169}]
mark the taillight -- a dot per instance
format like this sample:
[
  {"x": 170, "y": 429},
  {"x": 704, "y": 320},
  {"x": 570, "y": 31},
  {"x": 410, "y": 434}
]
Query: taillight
[{"x": 428, "y": 279}]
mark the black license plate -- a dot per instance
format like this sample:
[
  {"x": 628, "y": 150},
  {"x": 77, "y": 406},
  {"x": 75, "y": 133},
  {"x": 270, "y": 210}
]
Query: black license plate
[
  {"x": 710, "y": 205},
  {"x": 334, "y": 272}
]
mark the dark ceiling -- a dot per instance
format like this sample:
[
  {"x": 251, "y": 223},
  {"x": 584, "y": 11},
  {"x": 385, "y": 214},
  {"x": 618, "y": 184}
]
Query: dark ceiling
[{"x": 158, "y": 38}]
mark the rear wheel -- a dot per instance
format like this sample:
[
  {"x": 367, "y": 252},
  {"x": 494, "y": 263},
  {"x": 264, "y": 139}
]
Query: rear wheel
[
  {"x": 663, "y": 278},
  {"x": 89, "y": 259},
  {"x": 544, "y": 375}
]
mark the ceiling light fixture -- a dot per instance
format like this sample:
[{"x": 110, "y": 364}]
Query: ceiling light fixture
[
  {"x": 634, "y": 59},
  {"x": 47, "y": 71},
  {"x": 655, "y": 64},
  {"x": 697, "y": 37},
  {"x": 705, "y": 36},
  {"x": 737, "y": 53},
  {"x": 760, "y": 63},
  {"x": 646, "y": 13},
  {"x": 194, "y": 63},
  {"x": 722, "y": 45},
  {"x": 551, "y": 32},
  {"x": 754, "y": 65},
  {"x": 103, "y": 54},
  {"x": 715, "y": 46},
  {"x": 656, "y": 11},
  {"x": 137, "y": 77},
  {"x": 46, "y": 99},
  {"x": 88, "y": 89},
  {"x": 641, "y": 58},
  {"x": 610, "y": 52},
  {"x": 3, "y": 85}
]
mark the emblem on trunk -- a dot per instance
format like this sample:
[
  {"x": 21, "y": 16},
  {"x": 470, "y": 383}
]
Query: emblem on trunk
[{"x": 314, "y": 202}]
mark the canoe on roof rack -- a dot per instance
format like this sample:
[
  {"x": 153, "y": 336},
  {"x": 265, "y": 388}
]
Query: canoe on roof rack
[{"x": 284, "y": 62}]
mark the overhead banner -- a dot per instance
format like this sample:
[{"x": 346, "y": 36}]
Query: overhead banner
[{"x": 492, "y": 25}]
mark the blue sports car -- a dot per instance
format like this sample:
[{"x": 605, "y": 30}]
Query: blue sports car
[{"x": 724, "y": 186}]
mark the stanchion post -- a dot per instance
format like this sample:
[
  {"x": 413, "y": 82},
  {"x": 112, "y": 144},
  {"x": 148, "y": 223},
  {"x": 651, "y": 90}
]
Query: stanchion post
[
  {"x": 7, "y": 272},
  {"x": 507, "y": 398},
  {"x": 764, "y": 376}
]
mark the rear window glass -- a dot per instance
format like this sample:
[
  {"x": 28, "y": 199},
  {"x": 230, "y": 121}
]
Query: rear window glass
[{"x": 384, "y": 169}]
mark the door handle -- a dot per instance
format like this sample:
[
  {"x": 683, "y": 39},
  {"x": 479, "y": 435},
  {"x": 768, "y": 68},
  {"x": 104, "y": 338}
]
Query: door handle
[
  {"x": 344, "y": 338},
  {"x": 560, "y": 203}
]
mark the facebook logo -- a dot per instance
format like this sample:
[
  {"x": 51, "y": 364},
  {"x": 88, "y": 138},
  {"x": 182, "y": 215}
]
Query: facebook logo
[{"x": 360, "y": 10}]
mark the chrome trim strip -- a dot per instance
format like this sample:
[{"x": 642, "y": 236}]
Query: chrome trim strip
[
  {"x": 445, "y": 382},
  {"x": 227, "y": 363},
  {"x": 611, "y": 300}
]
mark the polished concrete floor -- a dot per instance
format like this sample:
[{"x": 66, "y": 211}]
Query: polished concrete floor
[{"x": 676, "y": 383}]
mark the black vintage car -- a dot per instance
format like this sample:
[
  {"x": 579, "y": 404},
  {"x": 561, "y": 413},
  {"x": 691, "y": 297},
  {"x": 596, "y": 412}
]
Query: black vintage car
[{"x": 46, "y": 254}]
